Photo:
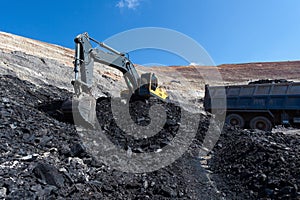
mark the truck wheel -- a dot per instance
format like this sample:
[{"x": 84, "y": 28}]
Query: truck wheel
[
  {"x": 261, "y": 123},
  {"x": 235, "y": 120}
]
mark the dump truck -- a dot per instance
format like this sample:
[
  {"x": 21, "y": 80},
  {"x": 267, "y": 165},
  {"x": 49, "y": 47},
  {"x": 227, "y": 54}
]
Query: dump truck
[{"x": 261, "y": 104}]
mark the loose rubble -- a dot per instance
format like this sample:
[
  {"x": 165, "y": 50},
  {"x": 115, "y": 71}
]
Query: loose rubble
[
  {"x": 258, "y": 164},
  {"x": 42, "y": 156}
]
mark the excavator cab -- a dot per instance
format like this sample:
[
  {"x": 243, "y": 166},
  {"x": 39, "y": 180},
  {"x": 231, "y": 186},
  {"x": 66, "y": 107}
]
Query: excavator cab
[{"x": 149, "y": 87}]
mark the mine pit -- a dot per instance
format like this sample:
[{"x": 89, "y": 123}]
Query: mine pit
[{"x": 42, "y": 155}]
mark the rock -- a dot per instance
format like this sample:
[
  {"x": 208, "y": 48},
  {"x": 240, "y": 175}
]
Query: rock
[
  {"x": 36, "y": 188},
  {"x": 5, "y": 100},
  {"x": 287, "y": 190},
  {"x": 29, "y": 158},
  {"x": 77, "y": 150},
  {"x": 168, "y": 192},
  {"x": 3, "y": 192},
  {"x": 146, "y": 184},
  {"x": 49, "y": 174},
  {"x": 45, "y": 139},
  {"x": 13, "y": 126}
]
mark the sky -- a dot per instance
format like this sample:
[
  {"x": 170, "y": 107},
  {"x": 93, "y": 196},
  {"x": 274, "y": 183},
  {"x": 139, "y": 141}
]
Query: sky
[{"x": 231, "y": 31}]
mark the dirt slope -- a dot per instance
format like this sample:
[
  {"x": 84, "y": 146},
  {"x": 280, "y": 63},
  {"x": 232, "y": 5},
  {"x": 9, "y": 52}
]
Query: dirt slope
[
  {"x": 42, "y": 63},
  {"x": 185, "y": 83},
  {"x": 10, "y": 43}
]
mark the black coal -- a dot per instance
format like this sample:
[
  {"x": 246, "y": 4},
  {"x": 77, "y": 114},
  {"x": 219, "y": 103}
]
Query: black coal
[
  {"x": 42, "y": 155},
  {"x": 259, "y": 164}
]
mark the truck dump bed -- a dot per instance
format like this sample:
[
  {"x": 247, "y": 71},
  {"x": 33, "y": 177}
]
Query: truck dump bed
[
  {"x": 257, "y": 105},
  {"x": 284, "y": 96}
]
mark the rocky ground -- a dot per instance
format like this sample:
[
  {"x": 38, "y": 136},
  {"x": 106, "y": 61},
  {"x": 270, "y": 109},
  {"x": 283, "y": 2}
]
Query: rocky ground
[
  {"x": 258, "y": 164},
  {"x": 43, "y": 157}
]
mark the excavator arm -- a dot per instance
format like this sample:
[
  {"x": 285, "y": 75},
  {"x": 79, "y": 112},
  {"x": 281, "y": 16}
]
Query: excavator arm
[
  {"x": 86, "y": 55},
  {"x": 84, "y": 103}
]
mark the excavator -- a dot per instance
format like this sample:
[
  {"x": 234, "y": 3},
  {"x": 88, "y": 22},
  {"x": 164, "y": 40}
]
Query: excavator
[{"x": 84, "y": 103}]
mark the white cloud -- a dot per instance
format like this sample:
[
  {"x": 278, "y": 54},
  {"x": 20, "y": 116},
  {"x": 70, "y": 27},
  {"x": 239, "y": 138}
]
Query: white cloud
[
  {"x": 194, "y": 64},
  {"x": 130, "y": 4},
  {"x": 120, "y": 4}
]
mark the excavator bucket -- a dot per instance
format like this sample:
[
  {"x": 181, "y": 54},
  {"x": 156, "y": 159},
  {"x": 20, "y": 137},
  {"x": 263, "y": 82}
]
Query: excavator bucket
[{"x": 82, "y": 109}]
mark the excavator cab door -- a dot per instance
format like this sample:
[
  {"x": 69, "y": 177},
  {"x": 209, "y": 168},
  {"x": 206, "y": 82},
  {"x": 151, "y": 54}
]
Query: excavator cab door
[
  {"x": 149, "y": 87},
  {"x": 144, "y": 85},
  {"x": 153, "y": 82}
]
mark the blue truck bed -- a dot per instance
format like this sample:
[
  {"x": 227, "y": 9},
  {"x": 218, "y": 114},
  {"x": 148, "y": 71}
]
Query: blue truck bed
[{"x": 275, "y": 99}]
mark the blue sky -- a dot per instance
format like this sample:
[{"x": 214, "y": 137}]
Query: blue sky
[{"x": 231, "y": 31}]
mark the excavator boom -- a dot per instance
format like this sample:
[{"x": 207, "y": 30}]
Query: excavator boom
[{"x": 85, "y": 56}]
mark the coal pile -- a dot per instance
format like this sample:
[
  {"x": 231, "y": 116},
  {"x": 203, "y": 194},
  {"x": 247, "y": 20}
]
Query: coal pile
[
  {"x": 43, "y": 157},
  {"x": 139, "y": 111},
  {"x": 29, "y": 139},
  {"x": 259, "y": 164}
]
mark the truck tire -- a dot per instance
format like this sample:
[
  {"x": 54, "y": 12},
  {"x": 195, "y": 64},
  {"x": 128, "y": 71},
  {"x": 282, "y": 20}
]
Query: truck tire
[
  {"x": 261, "y": 123},
  {"x": 235, "y": 120}
]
